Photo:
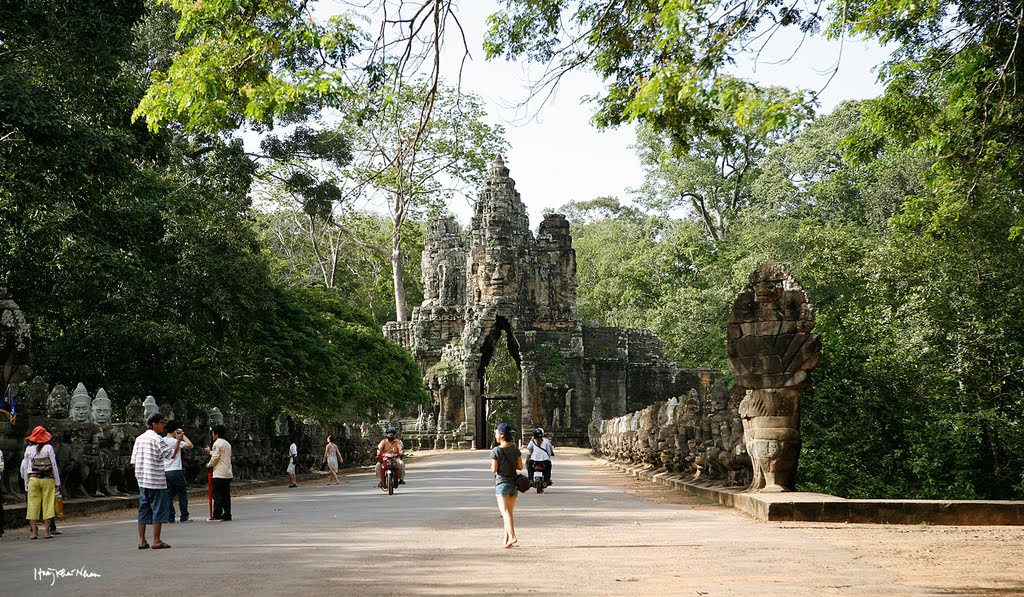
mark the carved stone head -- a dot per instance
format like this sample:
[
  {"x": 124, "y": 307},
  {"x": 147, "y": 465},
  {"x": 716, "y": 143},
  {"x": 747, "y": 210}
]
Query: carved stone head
[
  {"x": 57, "y": 402},
  {"x": 15, "y": 339},
  {"x": 36, "y": 399},
  {"x": 81, "y": 405},
  {"x": 135, "y": 412},
  {"x": 216, "y": 417},
  {"x": 101, "y": 408},
  {"x": 149, "y": 407}
]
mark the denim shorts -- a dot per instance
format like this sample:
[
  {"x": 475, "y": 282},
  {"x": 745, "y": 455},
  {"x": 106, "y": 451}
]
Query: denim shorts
[
  {"x": 505, "y": 488},
  {"x": 153, "y": 506}
]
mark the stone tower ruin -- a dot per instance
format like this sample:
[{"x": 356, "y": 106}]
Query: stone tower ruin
[{"x": 498, "y": 280}]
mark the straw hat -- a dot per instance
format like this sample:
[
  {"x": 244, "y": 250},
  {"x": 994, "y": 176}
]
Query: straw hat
[{"x": 39, "y": 435}]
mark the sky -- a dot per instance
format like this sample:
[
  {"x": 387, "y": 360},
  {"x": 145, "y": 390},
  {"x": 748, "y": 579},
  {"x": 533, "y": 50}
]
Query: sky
[{"x": 558, "y": 156}]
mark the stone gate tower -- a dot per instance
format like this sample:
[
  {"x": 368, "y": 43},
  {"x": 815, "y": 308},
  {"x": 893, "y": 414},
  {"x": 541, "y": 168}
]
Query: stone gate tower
[{"x": 500, "y": 278}]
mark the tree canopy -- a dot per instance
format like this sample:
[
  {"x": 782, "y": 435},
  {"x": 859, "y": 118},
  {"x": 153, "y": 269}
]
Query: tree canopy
[{"x": 134, "y": 254}]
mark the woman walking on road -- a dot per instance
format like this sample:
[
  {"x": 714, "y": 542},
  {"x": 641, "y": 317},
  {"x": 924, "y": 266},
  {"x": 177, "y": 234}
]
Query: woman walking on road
[
  {"x": 506, "y": 460},
  {"x": 332, "y": 457}
]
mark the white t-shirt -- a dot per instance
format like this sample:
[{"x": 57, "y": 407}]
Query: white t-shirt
[
  {"x": 293, "y": 451},
  {"x": 542, "y": 453},
  {"x": 173, "y": 464}
]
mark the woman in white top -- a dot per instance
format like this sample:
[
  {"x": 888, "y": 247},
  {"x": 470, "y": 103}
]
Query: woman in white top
[
  {"x": 540, "y": 451},
  {"x": 42, "y": 478}
]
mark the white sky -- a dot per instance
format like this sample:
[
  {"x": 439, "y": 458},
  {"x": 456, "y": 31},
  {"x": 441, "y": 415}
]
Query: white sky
[{"x": 559, "y": 156}]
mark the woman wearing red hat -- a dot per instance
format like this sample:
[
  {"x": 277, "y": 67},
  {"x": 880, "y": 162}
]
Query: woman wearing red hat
[{"x": 42, "y": 478}]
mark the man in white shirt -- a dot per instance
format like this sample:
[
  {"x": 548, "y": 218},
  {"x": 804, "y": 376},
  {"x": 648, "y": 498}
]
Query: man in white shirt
[
  {"x": 148, "y": 456},
  {"x": 293, "y": 459},
  {"x": 176, "y": 484},
  {"x": 220, "y": 467}
]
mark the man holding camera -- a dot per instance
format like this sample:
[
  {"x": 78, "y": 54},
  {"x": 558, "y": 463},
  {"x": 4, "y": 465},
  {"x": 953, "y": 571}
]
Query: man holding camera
[{"x": 176, "y": 484}]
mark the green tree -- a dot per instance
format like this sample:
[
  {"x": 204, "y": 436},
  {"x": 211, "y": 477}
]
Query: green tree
[
  {"x": 665, "y": 62},
  {"x": 409, "y": 168},
  {"x": 305, "y": 251},
  {"x": 711, "y": 174},
  {"x": 250, "y": 62},
  {"x": 133, "y": 254}
]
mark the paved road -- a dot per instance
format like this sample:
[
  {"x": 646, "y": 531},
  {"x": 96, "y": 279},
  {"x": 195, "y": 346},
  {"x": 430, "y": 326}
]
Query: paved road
[{"x": 441, "y": 534}]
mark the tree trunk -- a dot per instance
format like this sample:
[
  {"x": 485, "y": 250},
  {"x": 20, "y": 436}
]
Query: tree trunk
[{"x": 398, "y": 277}]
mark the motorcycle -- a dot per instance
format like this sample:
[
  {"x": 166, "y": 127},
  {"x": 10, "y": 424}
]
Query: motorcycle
[
  {"x": 538, "y": 477},
  {"x": 389, "y": 472}
]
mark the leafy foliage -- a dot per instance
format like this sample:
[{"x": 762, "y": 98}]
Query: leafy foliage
[
  {"x": 249, "y": 62},
  {"x": 665, "y": 62},
  {"x": 134, "y": 254},
  {"x": 918, "y": 392}
]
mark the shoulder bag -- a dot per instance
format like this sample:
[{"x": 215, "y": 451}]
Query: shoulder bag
[{"x": 522, "y": 481}]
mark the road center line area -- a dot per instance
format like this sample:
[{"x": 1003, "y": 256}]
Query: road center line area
[{"x": 595, "y": 532}]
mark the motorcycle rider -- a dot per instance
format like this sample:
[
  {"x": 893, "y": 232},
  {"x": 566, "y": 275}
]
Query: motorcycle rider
[
  {"x": 540, "y": 450},
  {"x": 391, "y": 445}
]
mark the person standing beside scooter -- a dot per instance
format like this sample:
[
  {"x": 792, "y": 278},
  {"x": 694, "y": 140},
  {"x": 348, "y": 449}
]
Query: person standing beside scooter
[{"x": 540, "y": 450}]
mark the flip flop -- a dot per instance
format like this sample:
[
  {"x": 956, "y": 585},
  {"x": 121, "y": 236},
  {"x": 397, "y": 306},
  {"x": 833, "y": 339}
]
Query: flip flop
[
  {"x": 47, "y": 536},
  {"x": 144, "y": 546},
  {"x": 161, "y": 545},
  {"x": 33, "y": 537}
]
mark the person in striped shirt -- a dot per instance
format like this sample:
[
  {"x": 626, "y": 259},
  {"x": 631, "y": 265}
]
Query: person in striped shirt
[{"x": 148, "y": 457}]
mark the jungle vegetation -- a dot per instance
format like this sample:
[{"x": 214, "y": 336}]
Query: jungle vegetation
[{"x": 154, "y": 251}]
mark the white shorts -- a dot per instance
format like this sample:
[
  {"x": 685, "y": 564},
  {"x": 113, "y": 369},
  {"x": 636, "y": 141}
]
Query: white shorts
[{"x": 291, "y": 467}]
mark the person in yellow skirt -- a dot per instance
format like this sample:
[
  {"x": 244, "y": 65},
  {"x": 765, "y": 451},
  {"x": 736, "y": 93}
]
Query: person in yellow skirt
[{"x": 42, "y": 478}]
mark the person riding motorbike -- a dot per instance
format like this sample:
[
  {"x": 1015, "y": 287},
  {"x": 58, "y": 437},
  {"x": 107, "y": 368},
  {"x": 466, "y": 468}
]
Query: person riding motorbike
[
  {"x": 540, "y": 450},
  {"x": 391, "y": 445}
]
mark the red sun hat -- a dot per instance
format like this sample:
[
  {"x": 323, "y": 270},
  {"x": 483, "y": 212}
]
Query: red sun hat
[{"x": 39, "y": 435}]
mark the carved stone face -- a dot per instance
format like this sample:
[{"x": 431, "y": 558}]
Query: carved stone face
[
  {"x": 216, "y": 417},
  {"x": 80, "y": 410},
  {"x": 101, "y": 412},
  {"x": 768, "y": 292}
]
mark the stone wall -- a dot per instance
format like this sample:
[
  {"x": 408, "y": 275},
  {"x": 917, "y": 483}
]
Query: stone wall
[{"x": 693, "y": 435}]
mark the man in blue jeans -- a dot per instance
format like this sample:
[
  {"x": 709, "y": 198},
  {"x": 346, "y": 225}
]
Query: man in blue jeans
[{"x": 176, "y": 484}]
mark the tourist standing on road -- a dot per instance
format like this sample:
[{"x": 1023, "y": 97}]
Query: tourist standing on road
[
  {"x": 148, "y": 457},
  {"x": 506, "y": 460},
  {"x": 42, "y": 478},
  {"x": 220, "y": 464},
  {"x": 332, "y": 458},
  {"x": 540, "y": 450},
  {"x": 176, "y": 484},
  {"x": 293, "y": 461}
]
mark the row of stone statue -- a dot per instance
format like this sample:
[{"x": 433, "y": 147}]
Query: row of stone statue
[
  {"x": 93, "y": 452},
  {"x": 701, "y": 438},
  {"x": 80, "y": 407}
]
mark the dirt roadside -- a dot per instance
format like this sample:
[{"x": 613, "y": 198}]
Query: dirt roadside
[{"x": 957, "y": 560}]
